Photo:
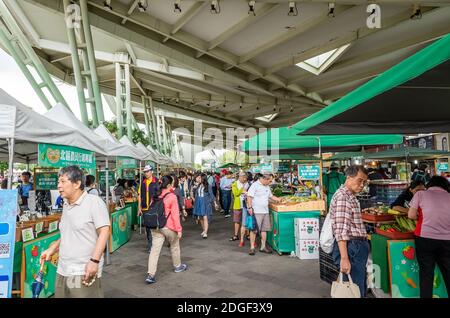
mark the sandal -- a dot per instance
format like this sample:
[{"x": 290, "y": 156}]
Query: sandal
[{"x": 234, "y": 238}]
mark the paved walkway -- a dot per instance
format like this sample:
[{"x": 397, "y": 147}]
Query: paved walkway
[{"x": 217, "y": 268}]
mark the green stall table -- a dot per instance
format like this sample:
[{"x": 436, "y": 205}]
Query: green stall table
[
  {"x": 282, "y": 238},
  {"x": 120, "y": 227},
  {"x": 380, "y": 261},
  {"x": 27, "y": 265},
  {"x": 134, "y": 211}
]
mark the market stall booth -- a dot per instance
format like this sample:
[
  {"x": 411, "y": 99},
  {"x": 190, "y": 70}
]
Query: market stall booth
[
  {"x": 392, "y": 103},
  {"x": 308, "y": 200}
]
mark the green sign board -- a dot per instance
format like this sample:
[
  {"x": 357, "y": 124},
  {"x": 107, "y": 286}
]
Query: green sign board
[
  {"x": 126, "y": 163},
  {"x": 46, "y": 180},
  {"x": 129, "y": 174},
  {"x": 62, "y": 156},
  {"x": 256, "y": 169},
  {"x": 442, "y": 167},
  {"x": 120, "y": 227},
  {"x": 309, "y": 171},
  {"x": 102, "y": 178},
  {"x": 404, "y": 270},
  {"x": 32, "y": 252},
  {"x": 266, "y": 168},
  {"x": 283, "y": 167}
]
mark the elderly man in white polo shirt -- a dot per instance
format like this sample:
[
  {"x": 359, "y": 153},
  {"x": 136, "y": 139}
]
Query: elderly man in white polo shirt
[
  {"x": 84, "y": 231},
  {"x": 258, "y": 197}
]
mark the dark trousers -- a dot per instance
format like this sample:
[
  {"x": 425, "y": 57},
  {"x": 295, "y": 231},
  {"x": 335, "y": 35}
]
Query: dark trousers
[
  {"x": 226, "y": 200},
  {"x": 358, "y": 253},
  {"x": 429, "y": 253}
]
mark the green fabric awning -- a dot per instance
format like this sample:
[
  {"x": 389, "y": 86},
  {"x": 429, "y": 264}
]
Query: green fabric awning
[
  {"x": 229, "y": 165},
  {"x": 291, "y": 157},
  {"x": 410, "y": 152},
  {"x": 347, "y": 155},
  {"x": 411, "y": 97},
  {"x": 286, "y": 139}
]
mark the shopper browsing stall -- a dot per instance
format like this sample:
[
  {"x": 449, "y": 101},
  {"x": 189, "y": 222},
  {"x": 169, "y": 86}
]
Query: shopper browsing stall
[
  {"x": 258, "y": 197},
  {"x": 402, "y": 202},
  {"x": 432, "y": 235},
  {"x": 239, "y": 189},
  {"x": 351, "y": 248}
]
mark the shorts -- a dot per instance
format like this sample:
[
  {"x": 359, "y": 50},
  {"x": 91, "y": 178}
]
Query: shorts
[
  {"x": 237, "y": 216},
  {"x": 263, "y": 221}
]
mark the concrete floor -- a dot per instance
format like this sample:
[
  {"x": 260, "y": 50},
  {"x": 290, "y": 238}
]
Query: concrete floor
[{"x": 217, "y": 268}]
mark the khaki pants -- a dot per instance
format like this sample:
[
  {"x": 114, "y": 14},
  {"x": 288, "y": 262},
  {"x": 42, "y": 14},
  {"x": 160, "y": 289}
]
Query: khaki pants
[
  {"x": 159, "y": 237},
  {"x": 72, "y": 287}
]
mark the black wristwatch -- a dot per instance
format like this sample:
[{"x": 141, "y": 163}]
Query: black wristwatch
[{"x": 95, "y": 261}]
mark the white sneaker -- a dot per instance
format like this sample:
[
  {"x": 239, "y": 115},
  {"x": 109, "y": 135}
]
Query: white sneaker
[{"x": 204, "y": 235}]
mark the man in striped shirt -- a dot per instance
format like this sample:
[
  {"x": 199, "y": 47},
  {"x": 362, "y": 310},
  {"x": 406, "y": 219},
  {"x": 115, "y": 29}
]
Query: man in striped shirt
[{"x": 351, "y": 248}]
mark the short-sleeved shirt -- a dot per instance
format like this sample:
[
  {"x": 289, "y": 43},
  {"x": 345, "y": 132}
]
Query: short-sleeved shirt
[
  {"x": 25, "y": 189},
  {"x": 78, "y": 227},
  {"x": 434, "y": 213},
  {"x": 225, "y": 183},
  {"x": 260, "y": 195}
]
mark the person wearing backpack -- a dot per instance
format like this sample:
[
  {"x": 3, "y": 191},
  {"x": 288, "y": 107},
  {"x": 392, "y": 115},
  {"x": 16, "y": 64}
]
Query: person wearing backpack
[
  {"x": 147, "y": 191},
  {"x": 165, "y": 207}
]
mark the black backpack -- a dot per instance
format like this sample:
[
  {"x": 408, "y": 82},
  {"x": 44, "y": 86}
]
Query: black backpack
[{"x": 156, "y": 218}]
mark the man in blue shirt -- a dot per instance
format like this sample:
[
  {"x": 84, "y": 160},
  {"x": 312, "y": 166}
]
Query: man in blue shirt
[
  {"x": 25, "y": 187},
  {"x": 225, "y": 192}
]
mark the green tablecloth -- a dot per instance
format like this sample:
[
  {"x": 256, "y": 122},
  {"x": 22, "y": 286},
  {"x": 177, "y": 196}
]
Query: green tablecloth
[
  {"x": 134, "y": 211},
  {"x": 380, "y": 260},
  {"x": 120, "y": 227}
]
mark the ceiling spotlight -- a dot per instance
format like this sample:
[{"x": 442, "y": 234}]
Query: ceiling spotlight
[
  {"x": 417, "y": 13},
  {"x": 177, "y": 100},
  {"x": 177, "y": 6},
  {"x": 142, "y": 5},
  {"x": 251, "y": 7},
  {"x": 292, "y": 109},
  {"x": 240, "y": 105},
  {"x": 274, "y": 108},
  {"x": 331, "y": 9},
  {"x": 293, "y": 9},
  {"x": 107, "y": 5},
  {"x": 215, "y": 7},
  {"x": 257, "y": 107}
]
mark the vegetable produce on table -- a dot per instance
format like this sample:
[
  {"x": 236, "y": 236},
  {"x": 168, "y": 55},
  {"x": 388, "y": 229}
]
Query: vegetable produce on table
[{"x": 403, "y": 225}]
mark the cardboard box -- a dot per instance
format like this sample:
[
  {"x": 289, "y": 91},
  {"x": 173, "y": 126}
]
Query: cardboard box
[
  {"x": 307, "y": 249},
  {"x": 306, "y": 228}
]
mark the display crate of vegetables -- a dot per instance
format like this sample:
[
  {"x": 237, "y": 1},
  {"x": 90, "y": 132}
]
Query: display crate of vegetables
[
  {"x": 403, "y": 228},
  {"x": 377, "y": 214}
]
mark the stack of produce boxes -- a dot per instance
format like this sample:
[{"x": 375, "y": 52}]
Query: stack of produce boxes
[{"x": 307, "y": 238}]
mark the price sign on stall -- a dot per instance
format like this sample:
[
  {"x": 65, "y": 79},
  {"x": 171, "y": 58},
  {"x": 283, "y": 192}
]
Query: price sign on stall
[
  {"x": 46, "y": 181},
  {"x": 309, "y": 171},
  {"x": 442, "y": 167},
  {"x": 126, "y": 163}
]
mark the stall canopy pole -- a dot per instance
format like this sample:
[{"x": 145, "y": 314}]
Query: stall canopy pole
[
  {"x": 107, "y": 254},
  {"x": 11, "y": 164},
  {"x": 140, "y": 184}
]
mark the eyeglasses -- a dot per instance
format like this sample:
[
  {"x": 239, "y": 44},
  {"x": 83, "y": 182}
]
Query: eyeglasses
[{"x": 362, "y": 181}]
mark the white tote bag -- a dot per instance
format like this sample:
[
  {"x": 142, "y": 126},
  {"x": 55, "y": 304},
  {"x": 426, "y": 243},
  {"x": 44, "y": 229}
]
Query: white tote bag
[
  {"x": 341, "y": 289},
  {"x": 326, "y": 235}
]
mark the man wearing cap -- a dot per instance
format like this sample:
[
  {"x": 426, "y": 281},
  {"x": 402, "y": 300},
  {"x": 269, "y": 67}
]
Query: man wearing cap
[
  {"x": 332, "y": 181},
  {"x": 147, "y": 191}
]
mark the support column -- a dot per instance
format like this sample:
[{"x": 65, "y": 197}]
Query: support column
[
  {"x": 18, "y": 45},
  {"x": 154, "y": 124},
  {"x": 76, "y": 67},
  {"x": 119, "y": 101},
  {"x": 123, "y": 95},
  {"x": 129, "y": 112},
  {"x": 147, "y": 119},
  {"x": 91, "y": 58}
]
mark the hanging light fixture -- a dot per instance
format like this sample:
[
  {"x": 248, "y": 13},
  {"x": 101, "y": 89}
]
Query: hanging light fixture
[
  {"x": 251, "y": 7},
  {"x": 215, "y": 7},
  {"x": 177, "y": 6},
  {"x": 142, "y": 5},
  {"x": 331, "y": 7},
  {"x": 417, "y": 13},
  {"x": 107, "y": 5},
  {"x": 292, "y": 109},
  {"x": 292, "y": 9},
  {"x": 240, "y": 105}
]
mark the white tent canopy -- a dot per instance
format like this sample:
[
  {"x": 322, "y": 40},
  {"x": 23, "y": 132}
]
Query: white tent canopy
[
  {"x": 150, "y": 156},
  {"x": 29, "y": 128},
  {"x": 112, "y": 148},
  {"x": 126, "y": 141}
]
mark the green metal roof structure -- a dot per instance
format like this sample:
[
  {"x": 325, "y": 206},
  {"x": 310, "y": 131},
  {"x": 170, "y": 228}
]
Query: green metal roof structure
[
  {"x": 410, "y": 152},
  {"x": 286, "y": 140},
  {"x": 411, "y": 97}
]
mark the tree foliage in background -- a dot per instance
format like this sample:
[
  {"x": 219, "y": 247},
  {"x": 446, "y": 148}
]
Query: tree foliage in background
[
  {"x": 3, "y": 167},
  {"x": 138, "y": 135},
  {"x": 231, "y": 156}
]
